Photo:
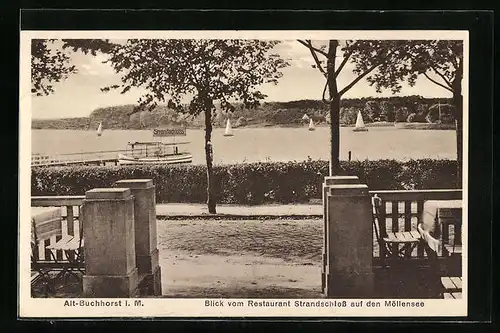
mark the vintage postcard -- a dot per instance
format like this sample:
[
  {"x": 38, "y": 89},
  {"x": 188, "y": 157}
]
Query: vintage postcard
[{"x": 243, "y": 173}]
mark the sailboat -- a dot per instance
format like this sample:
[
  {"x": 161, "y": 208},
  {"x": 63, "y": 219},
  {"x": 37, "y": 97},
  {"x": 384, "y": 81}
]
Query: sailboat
[
  {"x": 360, "y": 125},
  {"x": 311, "y": 125},
  {"x": 99, "y": 129},
  {"x": 229, "y": 130}
]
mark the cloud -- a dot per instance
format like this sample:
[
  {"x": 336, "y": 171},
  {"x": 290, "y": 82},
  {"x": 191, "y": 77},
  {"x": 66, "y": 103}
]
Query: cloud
[
  {"x": 300, "y": 56},
  {"x": 88, "y": 70},
  {"x": 295, "y": 53},
  {"x": 95, "y": 66}
]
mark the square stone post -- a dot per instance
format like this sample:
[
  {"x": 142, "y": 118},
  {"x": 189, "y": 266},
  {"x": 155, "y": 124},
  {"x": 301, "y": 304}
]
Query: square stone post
[
  {"x": 146, "y": 246},
  {"x": 330, "y": 180},
  {"x": 108, "y": 226},
  {"x": 349, "y": 242}
]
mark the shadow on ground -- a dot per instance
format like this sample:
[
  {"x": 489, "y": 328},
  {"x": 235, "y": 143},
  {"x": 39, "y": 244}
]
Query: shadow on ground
[
  {"x": 256, "y": 259},
  {"x": 245, "y": 292}
]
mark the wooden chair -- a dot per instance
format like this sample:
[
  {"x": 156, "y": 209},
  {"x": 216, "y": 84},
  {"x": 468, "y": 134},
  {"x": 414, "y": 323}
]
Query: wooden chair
[
  {"x": 42, "y": 267},
  {"x": 63, "y": 255},
  {"x": 454, "y": 249},
  {"x": 393, "y": 244},
  {"x": 448, "y": 286},
  {"x": 73, "y": 249}
]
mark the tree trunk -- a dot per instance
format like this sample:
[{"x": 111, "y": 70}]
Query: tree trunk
[
  {"x": 209, "y": 158},
  {"x": 335, "y": 137},
  {"x": 458, "y": 104},
  {"x": 334, "y": 109}
]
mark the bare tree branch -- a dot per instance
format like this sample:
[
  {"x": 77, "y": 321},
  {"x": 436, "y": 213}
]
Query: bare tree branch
[
  {"x": 454, "y": 62},
  {"x": 314, "y": 55},
  {"x": 308, "y": 44},
  {"x": 303, "y": 43},
  {"x": 342, "y": 64},
  {"x": 439, "y": 84},
  {"x": 323, "y": 98},
  {"x": 442, "y": 76},
  {"x": 356, "y": 80}
]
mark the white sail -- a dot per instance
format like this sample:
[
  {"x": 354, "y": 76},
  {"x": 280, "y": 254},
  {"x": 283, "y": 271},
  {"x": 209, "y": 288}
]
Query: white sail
[
  {"x": 99, "y": 129},
  {"x": 359, "y": 121},
  {"x": 311, "y": 125},
  {"x": 360, "y": 125},
  {"x": 229, "y": 130},
  {"x": 305, "y": 117}
]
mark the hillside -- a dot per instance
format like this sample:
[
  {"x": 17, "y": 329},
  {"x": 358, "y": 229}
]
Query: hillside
[{"x": 403, "y": 109}]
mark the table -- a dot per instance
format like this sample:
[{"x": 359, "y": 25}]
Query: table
[{"x": 437, "y": 216}]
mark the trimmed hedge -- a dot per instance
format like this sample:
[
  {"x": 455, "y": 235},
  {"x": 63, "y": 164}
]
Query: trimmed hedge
[{"x": 253, "y": 183}]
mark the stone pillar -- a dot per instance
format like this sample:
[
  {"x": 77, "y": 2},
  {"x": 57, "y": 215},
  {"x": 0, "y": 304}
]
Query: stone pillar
[
  {"x": 146, "y": 247},
  {"x": 349, "y": 242},
  {"x": 108, "y": 226},
  {"x": 330, "y": 180}
]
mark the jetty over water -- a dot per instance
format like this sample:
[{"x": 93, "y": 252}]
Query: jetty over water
[{"x": 108, "y": 157}]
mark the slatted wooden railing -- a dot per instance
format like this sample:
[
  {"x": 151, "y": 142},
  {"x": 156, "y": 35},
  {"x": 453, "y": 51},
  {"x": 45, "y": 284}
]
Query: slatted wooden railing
[
  {"x": 402, "y": 210},
  {"x": 70, "y": 210}
]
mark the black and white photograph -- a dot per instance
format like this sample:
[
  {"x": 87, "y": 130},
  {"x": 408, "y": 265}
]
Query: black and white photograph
[{"x": 243, "y": 173}]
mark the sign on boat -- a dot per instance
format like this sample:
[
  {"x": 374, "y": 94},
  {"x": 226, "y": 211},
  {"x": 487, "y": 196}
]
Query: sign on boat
[
  {"x": 167, "y": 132},
  {"x": 157, "y": 152}
]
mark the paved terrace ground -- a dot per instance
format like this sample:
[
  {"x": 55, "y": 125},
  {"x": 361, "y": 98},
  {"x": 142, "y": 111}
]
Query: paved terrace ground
[
  {"x": 176, "y": 210},
  {"x": 239, "y": 253}
]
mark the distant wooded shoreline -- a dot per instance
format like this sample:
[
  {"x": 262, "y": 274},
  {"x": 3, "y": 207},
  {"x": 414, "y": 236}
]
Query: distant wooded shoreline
[{"x": 416, "y": 112}]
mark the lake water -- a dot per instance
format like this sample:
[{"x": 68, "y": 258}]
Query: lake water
[{"x": 261, "y": 144}]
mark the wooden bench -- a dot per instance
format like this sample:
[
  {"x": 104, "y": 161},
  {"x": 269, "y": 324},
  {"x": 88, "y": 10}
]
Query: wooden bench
[
  {"x": 452, "y": 250},
  {"x": 35, "y": 277},
  {"x": 454, "y": 295},
  {"x": 452, "y": 287}
]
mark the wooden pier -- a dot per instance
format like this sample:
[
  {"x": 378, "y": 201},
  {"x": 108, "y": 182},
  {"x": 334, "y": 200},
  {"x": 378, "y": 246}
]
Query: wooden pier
[
  {"x": 109, "y": 157},
  {"x": 104, "y": 157}
]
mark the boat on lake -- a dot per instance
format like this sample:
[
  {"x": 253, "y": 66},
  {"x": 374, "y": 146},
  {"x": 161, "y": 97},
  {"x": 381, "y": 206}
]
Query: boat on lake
[
  {"x": 311, "y": 125},
  {"x": 229, "y": 130},
  {"x": 154, "y": 153},
  {"x": 360, "y": 125},
  {"x": 157, "y": 152},
  {"x": 99, "y": 129}
]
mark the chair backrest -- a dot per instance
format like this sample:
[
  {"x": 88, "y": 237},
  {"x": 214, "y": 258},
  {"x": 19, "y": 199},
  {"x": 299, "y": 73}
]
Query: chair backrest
[
  {"x": 80, "y": 226},
  {"x": 376, "y": 216},
  {"x": 42, "y": 230}
]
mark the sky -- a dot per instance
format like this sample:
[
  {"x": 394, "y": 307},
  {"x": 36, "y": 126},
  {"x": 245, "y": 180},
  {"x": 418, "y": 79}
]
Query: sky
[{"x": 80, "y": 94}]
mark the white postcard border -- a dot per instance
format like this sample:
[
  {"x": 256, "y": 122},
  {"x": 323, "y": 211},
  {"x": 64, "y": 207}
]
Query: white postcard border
[{"x": 55, "y": 308}]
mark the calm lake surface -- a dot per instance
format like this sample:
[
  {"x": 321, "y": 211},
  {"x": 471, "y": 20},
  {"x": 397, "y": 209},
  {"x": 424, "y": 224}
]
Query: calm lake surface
[{"x": 261, "y": 144}]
